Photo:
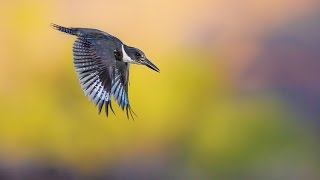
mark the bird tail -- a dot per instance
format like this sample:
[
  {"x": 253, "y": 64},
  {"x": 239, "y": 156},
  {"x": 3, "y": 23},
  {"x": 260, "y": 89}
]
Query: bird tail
[{"x": 72, "y": 31}]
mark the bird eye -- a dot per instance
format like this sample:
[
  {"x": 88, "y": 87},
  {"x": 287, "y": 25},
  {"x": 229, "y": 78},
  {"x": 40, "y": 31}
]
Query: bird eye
[{"x": 138, "y": 54}]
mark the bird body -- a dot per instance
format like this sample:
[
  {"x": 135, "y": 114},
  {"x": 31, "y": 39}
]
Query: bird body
[{"x": 102, "y": 65}]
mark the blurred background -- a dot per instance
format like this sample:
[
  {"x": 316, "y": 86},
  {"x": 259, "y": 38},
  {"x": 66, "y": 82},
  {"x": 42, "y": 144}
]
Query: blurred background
[{"x": 238, "y": 95}]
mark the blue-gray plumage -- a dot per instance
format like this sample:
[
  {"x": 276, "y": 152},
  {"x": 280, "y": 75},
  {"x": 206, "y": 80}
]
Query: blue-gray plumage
[{"x": 102, "y": 64}]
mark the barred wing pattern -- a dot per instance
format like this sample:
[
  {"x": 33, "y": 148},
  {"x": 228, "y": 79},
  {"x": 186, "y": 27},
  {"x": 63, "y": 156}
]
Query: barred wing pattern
[
  {"x": 101, "y": 75},
  {"x": 95, "y": 68},
  {"x": 120, "y": 87}
]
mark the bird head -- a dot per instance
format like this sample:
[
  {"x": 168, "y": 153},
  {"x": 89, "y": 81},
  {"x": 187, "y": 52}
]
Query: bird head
[{"x": 136, "y": 56}]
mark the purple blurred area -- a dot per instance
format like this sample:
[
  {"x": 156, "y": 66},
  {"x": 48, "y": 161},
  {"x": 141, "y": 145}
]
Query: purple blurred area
[{"x": 289, "y": 64}]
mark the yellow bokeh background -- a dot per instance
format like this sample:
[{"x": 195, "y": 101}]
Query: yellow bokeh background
[{"x": 194, "y": 122}]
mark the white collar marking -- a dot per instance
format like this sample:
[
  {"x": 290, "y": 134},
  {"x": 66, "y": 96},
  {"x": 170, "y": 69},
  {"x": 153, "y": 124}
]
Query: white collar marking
[{"x": 125, "y": 57}]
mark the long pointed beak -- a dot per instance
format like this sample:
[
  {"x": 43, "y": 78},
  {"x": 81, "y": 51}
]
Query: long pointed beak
[{"x": 148, "y": 63}]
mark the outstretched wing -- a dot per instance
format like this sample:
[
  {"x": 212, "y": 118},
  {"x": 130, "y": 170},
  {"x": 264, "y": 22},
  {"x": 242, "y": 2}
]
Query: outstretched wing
[
  {"x": 95, "y": 62},
  {"x": 119, "y": 88}
]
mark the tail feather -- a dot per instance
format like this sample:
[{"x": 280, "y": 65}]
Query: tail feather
[{"x": 64, "y": 29}]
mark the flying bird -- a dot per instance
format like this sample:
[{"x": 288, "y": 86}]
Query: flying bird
[{"x": 102, "y": 64}]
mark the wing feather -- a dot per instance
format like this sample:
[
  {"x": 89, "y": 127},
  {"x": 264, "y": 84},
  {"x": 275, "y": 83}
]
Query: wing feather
[
  {"x": 95, "y": 68},
  {"x": 119, "y": 88}
]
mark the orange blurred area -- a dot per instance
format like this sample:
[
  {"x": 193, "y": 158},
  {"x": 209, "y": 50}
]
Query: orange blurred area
[{"x": 237, "y": 96}]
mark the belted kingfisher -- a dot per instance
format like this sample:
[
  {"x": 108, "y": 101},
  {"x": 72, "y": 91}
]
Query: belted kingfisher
[{"x": 102, "y": 64}]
